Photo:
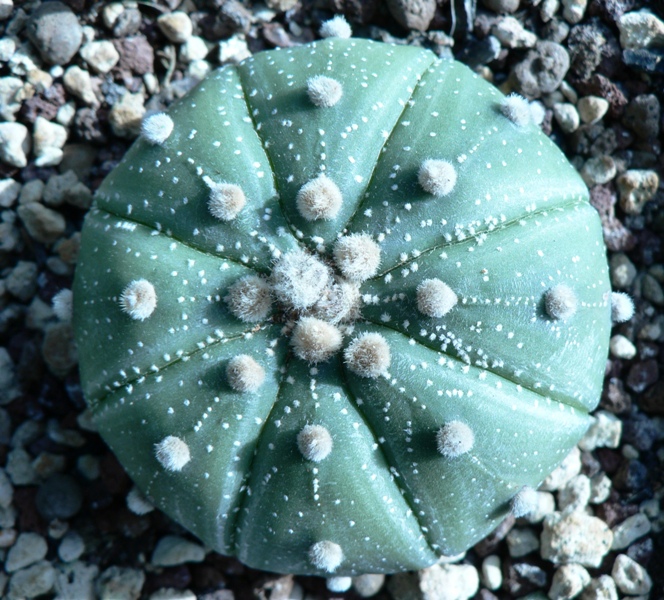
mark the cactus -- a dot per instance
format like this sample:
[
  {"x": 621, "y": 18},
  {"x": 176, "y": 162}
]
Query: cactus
[{"x": 342, "y": 308}]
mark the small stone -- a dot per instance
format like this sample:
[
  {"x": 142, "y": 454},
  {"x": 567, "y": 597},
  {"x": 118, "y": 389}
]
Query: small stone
[
  {"x": 9, "y": 191},
  {"x": 566, "y": 116},
  {"x": 76, "y": 580},
  {"x": 604, "y": 432},
  {"x": 14, "y": 144},
  {"x": 448, "y": 582},
  {"x": 512, "y": 34},
  {"x": 521, "y": 541},
  {"x": 602, "y": 588},
  {"x": 652, "y": 290},
  {"x": 172, "y": 550},
  {"x": 412, "y": 14},
  {"x": 71, "y": 547},
  {"x": 110, "y": 13},
  {"x": 48, "y": 140},
  {"x": 55, "y": 31},
  {"x": 101, "y": 56},
  {"x": 575, "y": 495},
  {"x": 598, "y": 170},
  {"x": 28, "y": 549},
  {"x": 630, "y": 577},
  {"x": 78, "y": 83},
  {"x": 34, "y": 581},
  {"x": 600, "y": 488},
  {"x": 573, "y": 10},
  {"x": 637, "y": 187},
  {"x": 592, "y": 109},
  {"x": 233, "y": 50},
  {"x": 43, "y": 224},
  {"x": 59, "y": 497},
  {"x": 575, "y": 538},
  {"x": 570, "y": 467},
  {"x": 542, "y": 70},
  {"x": 193, "y": 49},
  {"x": 120, "y": 583},
  {"x": 623, "y": 271},
  {"x": 19, "y": 467},
  {"x": 640, "y": 29},
  {"x": 545, "y": 504},
  {"x": 176, "y": 26},
  {"x": 31, "y": 191},
  {"x": 11, "y": 90},
  {"x": 522, "y": 578},
  {"x": 368, "y": 585},
  {"x": 630, "y": 530},
  {"x": 492, "y": 575},
  {"x": 172, "y": 594},
  {"x": 126, "y": 115},
  {"x": 568, "y": 582},
  {"x": 6, "y": 490},
  {"x": 642, "y": 375},
  {"x": 621, "y": 347},
  {"x": 22, "y": 281}
]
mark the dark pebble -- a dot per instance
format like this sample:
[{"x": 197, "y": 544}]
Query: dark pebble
[
  {"x": 491, "y": 542},
  {"x": 542, "y": 70},
  {"x": 59, "y": 497},
  {"x": 631, "y": 476},
  {"x": 609, "y": 459},
  {"x": 136, "y": 55},
  {"x": 522, "y": 578},
  {"x": 480, "y": 52},
  {"x": 641, "y": 551},
  {"x": 640, "y": 431},
  {"x": 645, "y": 59},
  {"x": 585, "y": 44},
  {"x": 614, "y": 397},
  {"x": 590, "y": 466},
  {"x": 642, "y": 116},
  {"x": 55, "y": 31},
  {"x": 613, "y": 511},
  {"x": 88, "y": 127},
  {"x": 652, "y": 401},
  {"x": 642, "y": 375},
  {"x": 128, "y": 23},
  {"x": 616, "y": 236},
  {"x": 599, "y": 85}
]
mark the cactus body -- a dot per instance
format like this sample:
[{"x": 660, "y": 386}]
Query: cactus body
[{"x": 383, "y": 397}]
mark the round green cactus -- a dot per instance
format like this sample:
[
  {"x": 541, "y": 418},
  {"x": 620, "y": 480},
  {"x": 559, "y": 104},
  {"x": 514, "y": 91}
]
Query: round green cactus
[{"x": 342, "y": 308}]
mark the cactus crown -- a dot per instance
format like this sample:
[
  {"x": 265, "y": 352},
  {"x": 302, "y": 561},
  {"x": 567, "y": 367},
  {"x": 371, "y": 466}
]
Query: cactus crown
[{"x": 340, "y": 307}]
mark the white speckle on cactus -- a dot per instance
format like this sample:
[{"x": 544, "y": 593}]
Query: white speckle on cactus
[
  {"x": 249, "y": 299},
  {"x": 524, "y": 502},
  {"x": 454, "y": 439},
  {"x": 139, "y": 299},
  {"x": 324, "y": 91},
  {"x": 314, "y": 340},
  {"x": 357, "y": 256},
  {"x": 622, "y": 307},
  {"x": 156, "y": 128},
  {"x": 340, "y": 302},
  {"x": 336, "y": 27},
  {"x": 319, "y": 198},
  {"x": 368, "y": 355},
  {"x": 63, "y": 304},
  {"x": 137, "y": 503},
  {"x": 339, "y": 585},
  {"x": 516, "y": 109},
  {"x": 326, "y": 555},
  {"x": 438, "y": 177},
  {"x": 314, "y": 442},
  {"x": 560, "y": 302},
  {"x": 435, "y": 298},
  {"x": 244, "y": 374},
  {"x": 226, "y": 200},
  {"x": 299, "y": 279},
  {"x": 173, "y": 453}
]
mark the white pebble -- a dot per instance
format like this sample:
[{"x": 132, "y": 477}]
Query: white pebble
[{"x": 630, "y": 577}]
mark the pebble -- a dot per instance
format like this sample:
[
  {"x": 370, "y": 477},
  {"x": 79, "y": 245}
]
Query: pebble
[
  {"x": 449, "y": 582},
  {"x": 630, "y": 577},
  {"x": 59, "y": 497},
  {"x": 573, "y": 10},
  {"x": 31, "y": 191},
  {"x": 623, "y": 271},
  {"x": 522, "y": 578},
  {"x": 521, "y": 541},
  {"x": 575, "y": 538},
  {"x": 542, "y": 70},
  {"x": 368, "y": 585},
  {"x": 652, "y": 290},
  {"x": 195, "y": 48},
  {"x": 642, "y": 375},
  {"x": 176, "y": 26},
  {"x": 43, "y": 224},
  {"x": 120, "y": 583},
  {"x": 575, "y": 495},
  {"x": 48, "y": 139},
  {"x": 6, "y": 490},
  {"x": 566, "y": 116},
  {"x": 636, "y": 187},
  {"x": 174, "y": 550},
  {"x": 101, "y": 56},
  {"x": 9, "y": 191},
  {"x": 622, "y": 347},
  {"x": 22, "y": 281},
  {"x": 502, "y": 6},
  {"x": 598, "y": 170},
  {"x": 632, "y": 475},
  {"x": 570, "y": 467},
  {"x": 545, "y": 504},
  {"x": 568, "y": 582},
  {"x": 6, "y": 9},
  {"x": 640, "y": 29},
  {"x": 76, "y": 581},
  {"x": 126, "y": 115},
  {"x": 10, "y": 97},
  {"x": 233, "y": 50},
  {"x": 57, "y": 187},
  {"x": 592, "y": 109},
  {"x": 602, "y": 588},
  {"x": 55, "y": 31},
  {"x": 604, "y": 432},
  {"x": 14, "y": 144},
  {"x": 413, "y": 14},
  {"x": 642, "y": 116},
  {"x": 600, "y": 488},
  {"x": 491, "y": 574},
  {"x": 630, "y": 530},
  {"x": 110, "y": 13},
  {"x": 172, "y": 594},
  {"x": 78, "y": 83},
  {"x": 28, "y": 549},
  {"x": 512, "y": 34},
  {"x": 32, "y": 582},
  {"x": 71, "y": 547}
]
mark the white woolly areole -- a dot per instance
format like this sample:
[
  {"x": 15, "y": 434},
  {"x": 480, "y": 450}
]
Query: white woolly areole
[
  {"x": 298, "y": 279},
  {"x": 340, "y": 302},
  {"x": 137, "y": 503},
  {"x": 435, "y": 298},
  {"x": 173, "y": 453},
  {"x": 357, "y": 256},
  {"x": 560, "y": 302},
  {"x": 339, "y": 584},
  {"x": 244, "y": 374},
  {"x": 368, "y": 355},
  {"x": 517, "y": 109},
  {"x": 250, "y": 299},
  {"x": 525, "y": 501},
  {"x": 157, "y": 128},
  {"x": 63, "y": 304},
  {"x": 314, "y": 442},
  {"x": 454, "y": 439},
  {"x": 326, "y": 555},
  {"x": 226, "y": 200},
  {"x": 336, "y": 27},
  {"x": 324, "y": 91},
  {"x": 139, "y": 299},
  {"x": 438, "y": 177},
  {"x": 319, "y": 198},
  {"x": 314, "y": 340},
  {"x": 622, "y": 307}
]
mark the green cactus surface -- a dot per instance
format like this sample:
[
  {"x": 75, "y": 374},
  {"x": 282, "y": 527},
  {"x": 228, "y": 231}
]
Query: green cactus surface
[{"x": 342, "y": 308}]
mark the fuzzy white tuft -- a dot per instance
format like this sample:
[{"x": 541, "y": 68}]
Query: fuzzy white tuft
[
  {"x": 326, "y": 555},
  {"x": 622, "y": 307},
  {"x": 157, "y": 128},
  {"x": 139, "y": 299},
  {"x": 368, "y": 355},
  {"x": 314, "y": 340},
  {"x": 525, "y": 501},
  {"x": 357, "y": 256},
  {"x": 336, "y": 27},
  {"x": 340, "y": 302},
  {"x": 314, "y": 442},
  {"x": 339, "y": 585},
  {"x": 560, "y": 302},
  {"x": 299, "y": 279},
  {"x": 435, "y": 298},
  {"x": 324, "y": 91},
  {"x": 517, "y": 109},
  {"x": 63, "y": 304},
  {"x": 226, "y": 200},
  {"x": 454, "y": 439},
  {"x": 250, "y": 299},
  {"x": 138, "y": 503},
  {"x": 319, "y": 198},
  {"x": 438, "y": 177},
  {"x": 173, "y": 453},
  {"x": 244, "y": 374}
]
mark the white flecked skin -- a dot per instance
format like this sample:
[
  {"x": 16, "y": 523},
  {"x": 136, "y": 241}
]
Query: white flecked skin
[{"x": 516, "y": 223}]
